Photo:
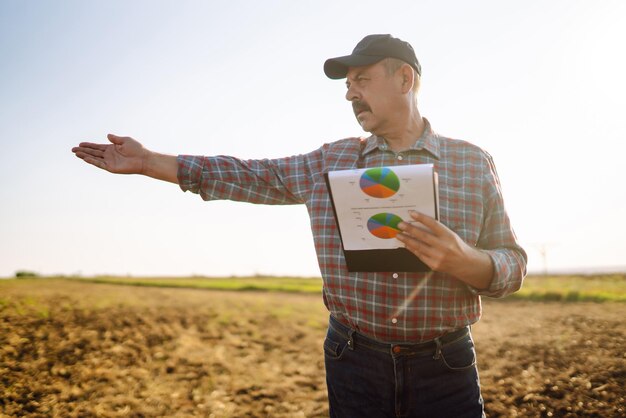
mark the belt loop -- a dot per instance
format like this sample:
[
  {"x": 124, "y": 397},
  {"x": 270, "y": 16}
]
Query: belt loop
[
  {"x": 438, "y": 349},
  {"x": 351, "y": 339}
]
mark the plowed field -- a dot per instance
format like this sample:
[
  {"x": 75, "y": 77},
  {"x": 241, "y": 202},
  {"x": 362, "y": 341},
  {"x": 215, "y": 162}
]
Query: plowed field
[{"x": 79, "y": 349}]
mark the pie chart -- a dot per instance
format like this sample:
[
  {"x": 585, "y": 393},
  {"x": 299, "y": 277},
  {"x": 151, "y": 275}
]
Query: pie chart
[
  {"x": 384, "y": 225},
  {"x": 380, "y": 182}
]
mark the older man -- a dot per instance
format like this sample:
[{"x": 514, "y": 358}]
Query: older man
[{"x": 398, "y": 343}]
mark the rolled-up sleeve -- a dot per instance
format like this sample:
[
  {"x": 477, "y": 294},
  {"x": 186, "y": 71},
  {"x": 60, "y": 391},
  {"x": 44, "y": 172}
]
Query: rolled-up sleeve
[
  {"x": 498, "y": 240},
  {"x": 189, "y": 173}
]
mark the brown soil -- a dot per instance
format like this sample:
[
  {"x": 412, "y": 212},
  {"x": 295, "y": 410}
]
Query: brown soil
[{"x": 78, "y": 349}]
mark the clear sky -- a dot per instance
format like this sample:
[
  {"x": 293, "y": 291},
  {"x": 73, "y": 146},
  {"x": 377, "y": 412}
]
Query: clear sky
[{"x": 539, "y": 84}]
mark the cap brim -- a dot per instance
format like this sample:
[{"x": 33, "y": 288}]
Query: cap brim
[{"x": 336, "y": 68}]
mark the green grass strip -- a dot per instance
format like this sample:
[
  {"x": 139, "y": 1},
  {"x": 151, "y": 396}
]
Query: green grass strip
[
  {"x": 574, "y": 288},
  {"x": 565, "y": 288},
  {"x": 265, "y": 284}
]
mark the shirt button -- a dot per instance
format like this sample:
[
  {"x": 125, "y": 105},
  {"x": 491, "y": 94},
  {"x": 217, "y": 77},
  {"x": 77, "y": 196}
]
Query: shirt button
[
  {"x": 394, "y": 275},
  {"x": 394, "y": 320},
  {"x": 400, "y": 157}
]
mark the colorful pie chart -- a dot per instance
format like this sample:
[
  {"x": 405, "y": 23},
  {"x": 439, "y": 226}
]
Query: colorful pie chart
[
  {"x": 380, "y": 182},
  {"x": 384, "y": 225}
]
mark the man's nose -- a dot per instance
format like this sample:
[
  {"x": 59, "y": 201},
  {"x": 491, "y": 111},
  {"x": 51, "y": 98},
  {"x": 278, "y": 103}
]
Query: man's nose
[{"x": 352, "y": 94}]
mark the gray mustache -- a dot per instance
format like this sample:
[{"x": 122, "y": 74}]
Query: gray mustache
[{"x": 358, "y": 107}]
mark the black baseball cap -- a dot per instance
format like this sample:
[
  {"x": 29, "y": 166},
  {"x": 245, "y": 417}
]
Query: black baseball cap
[{"x": 370, "y": 50}]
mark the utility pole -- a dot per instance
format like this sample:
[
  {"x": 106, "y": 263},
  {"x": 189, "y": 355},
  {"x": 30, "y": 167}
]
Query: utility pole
[{"x": 543, "y": 251}]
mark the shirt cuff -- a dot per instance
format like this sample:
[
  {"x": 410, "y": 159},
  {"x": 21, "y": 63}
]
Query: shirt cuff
[
  {"x": 508, "y": 274},
  {"x": 189, "y": 172}
]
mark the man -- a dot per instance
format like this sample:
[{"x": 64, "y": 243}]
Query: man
[{"x": 398, "y": 343}]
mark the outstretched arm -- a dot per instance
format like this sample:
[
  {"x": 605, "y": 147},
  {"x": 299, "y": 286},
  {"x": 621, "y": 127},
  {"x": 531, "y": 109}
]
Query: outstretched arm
[{"x": 124, "y": 155}]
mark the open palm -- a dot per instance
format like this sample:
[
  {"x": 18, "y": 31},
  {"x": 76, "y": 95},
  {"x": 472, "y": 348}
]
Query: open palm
[{"x": 123, "y": 155}]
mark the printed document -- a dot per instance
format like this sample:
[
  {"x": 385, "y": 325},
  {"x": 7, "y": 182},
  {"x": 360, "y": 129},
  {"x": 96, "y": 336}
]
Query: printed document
[{"x": 369, "y": 203}]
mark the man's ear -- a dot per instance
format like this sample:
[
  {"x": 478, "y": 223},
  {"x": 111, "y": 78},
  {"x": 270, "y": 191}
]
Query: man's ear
[{"x": 408, "y": 77}]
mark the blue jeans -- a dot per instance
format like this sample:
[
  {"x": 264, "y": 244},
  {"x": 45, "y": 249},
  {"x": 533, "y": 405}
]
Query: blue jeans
[{"x": 366, "y": 378}]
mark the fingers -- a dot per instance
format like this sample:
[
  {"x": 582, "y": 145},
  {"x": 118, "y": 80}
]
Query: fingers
[
  {"x": 420, "y": 249},
  {"x": 414, "y": 243},
  {"x": 97, "y": 150},
  {"x": 428, "y": 221},
  {"x": 434, "y": 243},
  {"x": 425, "y": 228},
  {"x": 90, "y": 145},
  {"x": 420, "y": 237},
  {"x": 426, "y": 247},
  {"x": 94, "y": 154},
  {"x": 418, "y": 232},
  {"x": 91, "y": 159},
  {"x": 87, "y": 151},
  {"x": 91, "y": 153}
]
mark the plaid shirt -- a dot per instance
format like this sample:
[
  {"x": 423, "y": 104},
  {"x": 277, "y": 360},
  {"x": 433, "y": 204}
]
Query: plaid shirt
[{"x": 382, "y": 306}]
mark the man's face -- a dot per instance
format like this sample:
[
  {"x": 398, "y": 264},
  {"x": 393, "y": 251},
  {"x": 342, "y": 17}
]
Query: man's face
[{"x": 375, "y": 97}]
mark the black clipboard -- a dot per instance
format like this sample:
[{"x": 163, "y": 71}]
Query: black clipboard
[{"x": 382, "y": 260}]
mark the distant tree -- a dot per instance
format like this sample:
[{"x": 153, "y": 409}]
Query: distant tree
[{"x": 22, "y": 274}]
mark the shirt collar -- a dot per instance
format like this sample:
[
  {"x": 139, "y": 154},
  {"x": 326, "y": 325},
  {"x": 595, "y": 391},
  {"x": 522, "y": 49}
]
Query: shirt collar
[{"x": 429, "y": 141}]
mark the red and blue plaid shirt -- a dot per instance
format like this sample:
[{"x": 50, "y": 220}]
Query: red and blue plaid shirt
[{"x": 382, "y": 306}]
